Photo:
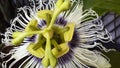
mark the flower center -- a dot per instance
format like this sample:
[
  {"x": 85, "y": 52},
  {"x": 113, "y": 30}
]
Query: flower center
[{"x": 52, "y": 40}]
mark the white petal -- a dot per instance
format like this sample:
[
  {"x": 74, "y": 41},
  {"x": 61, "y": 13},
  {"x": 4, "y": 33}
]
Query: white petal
[
  {"x": 21, "y": 51},
  {"x": 91, "y": 58},
  {"x": 102, "y": 62},
  {"x": 76, "y": 13}
]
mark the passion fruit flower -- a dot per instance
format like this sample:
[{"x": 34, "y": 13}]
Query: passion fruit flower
[{"x": 58, "y": 34}]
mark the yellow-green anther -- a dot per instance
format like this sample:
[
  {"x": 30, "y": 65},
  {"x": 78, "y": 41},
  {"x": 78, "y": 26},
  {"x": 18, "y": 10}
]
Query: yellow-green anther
[
  {"x": 60, "y": 7},
  {"x": 59, "y": 2},
  {"x": 17, "y": 40},
  {"x": 18, "y": 37},
  {"x": 39, "y": 52},
  {"x": 65, "y": 5},
  {"x": 64, "y": 49},
  {"x": 69, "y": 34},
  {"x": 16, "y": 34}
]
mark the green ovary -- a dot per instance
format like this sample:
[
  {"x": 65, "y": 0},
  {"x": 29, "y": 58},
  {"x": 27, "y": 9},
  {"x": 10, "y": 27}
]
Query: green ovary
[{"x": 52, "y": 41}]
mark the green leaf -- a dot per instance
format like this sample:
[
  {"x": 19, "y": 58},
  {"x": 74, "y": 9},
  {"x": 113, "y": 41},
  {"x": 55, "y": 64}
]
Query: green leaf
[
  {"x": 90, "y": 3},
  {"x": 102, "y": 6},
  {"x": 114, "y": 58},
  {"x": 100, "y": 11}
]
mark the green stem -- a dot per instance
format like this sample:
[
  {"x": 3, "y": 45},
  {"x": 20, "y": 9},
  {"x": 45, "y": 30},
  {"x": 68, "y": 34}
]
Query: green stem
[
  {"x": 56, "y": 13},
  {"x": 48, "y": 44},
  {"x": 35, "y": 32},
  {"x": 48, "y": 52},
  {"x": 57, "y": 47},
  {"x": 40, "y": 42},
  {"x": 63, "y": 30}
]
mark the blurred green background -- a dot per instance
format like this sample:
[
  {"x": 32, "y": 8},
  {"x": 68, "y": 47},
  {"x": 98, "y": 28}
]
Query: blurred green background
[{"x": 114, "y": 59}]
